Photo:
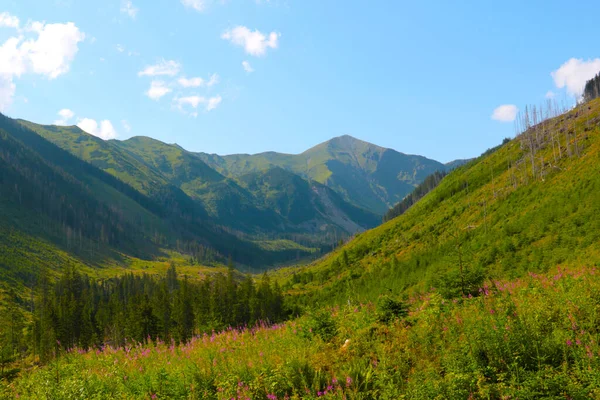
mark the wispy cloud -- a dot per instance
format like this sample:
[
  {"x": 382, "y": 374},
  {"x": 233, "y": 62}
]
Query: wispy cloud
[
  {"x": 198, "y": 82},
  {"x": 128, "y": 8},
  {"x": 8, "y": 20},
  {"x": 157, "y": 90},
  {"x": 254, "y": 42},
  {"x": 65, "y": 116},
  {"x": 505, "y": 113},
  {"x": 104, "y": 130},
  {"x": 190, "y": 104},
  {"x": 163, "y": 67},
  {"x": 247, "y": 67},
  {"x": 198, "y": 5}
]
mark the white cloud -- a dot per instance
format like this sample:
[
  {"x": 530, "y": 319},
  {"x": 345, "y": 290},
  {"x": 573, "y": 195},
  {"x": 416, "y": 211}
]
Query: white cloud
[
  {"x": 54, "y": 50},
  {"x": 104, "y": 131},
  {"x": 13, "y": 61},
  {"x": 9, "y": 21},
  {"x": 34, "y": 26},
  {"x": 198, "y": 5},
  {"x": 247, "y": 67},
  {"x": 126, "y": 125},
  {"x": 164, "y": 67},
  {"x": 574, "y": 74},
  {"x": 550, "y": 94},
  {"x": 157, "y": 90},
  {"x": 120, "y": 48},
  {"x": 191, "y": 82},
  {"x": 213, "y": 102},
  {"x": 213, "y": 80},
  {"x": 505, "y": 113},
  {"x": 128, "y": 8},
  {"x": 65, "y": 116},
  {"x": 193, "y": 102},
  {"x": 7, "y": 92},
  {"x": 50, "y": 53},
  {"x": 254, "y": 43},
  {"x": 198, "y": 82}
]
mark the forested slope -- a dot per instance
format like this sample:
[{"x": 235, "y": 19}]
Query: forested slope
[{"x": 526, "y": 206}]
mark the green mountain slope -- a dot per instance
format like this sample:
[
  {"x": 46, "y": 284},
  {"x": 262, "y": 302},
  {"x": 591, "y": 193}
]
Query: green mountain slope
[
  {"x": 526, "y": 206},
  {"x": 309, "y": 206},
  {"x": 369, "y": 176},
  {"x": 76, "y": 210},
  {"x": 192, "y": 203},
  {"x": 253, "y": 203}
]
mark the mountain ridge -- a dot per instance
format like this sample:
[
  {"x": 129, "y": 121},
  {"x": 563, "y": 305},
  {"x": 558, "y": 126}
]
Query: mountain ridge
[{"x": 345, "y": 164}]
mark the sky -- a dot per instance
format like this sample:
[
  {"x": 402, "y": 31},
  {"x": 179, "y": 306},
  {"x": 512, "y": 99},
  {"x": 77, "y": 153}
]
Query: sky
[{"x": 436, "y": 78}]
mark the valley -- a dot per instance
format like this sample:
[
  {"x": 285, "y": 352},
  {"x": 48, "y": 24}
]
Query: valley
[{"x": 283, "y": 200}]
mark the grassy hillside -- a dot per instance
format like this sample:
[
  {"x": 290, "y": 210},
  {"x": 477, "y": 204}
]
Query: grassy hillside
[
  {"x": 366, "y": 175},
  {"x": 529, "y": 338},
  {"x": 501, "y": 215}
]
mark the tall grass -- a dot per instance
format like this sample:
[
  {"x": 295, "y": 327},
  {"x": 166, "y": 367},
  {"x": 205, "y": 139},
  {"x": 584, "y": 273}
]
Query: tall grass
[{"x": 527, "y": 338}]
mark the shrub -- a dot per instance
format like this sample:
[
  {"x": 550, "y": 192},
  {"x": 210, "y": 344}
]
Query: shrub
[
  {"x": 389, "y": 309},
  {"x": 321, "y": 323}
]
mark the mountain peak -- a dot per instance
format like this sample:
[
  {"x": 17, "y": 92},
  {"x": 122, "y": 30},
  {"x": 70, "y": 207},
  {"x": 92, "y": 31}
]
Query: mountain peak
[{"x": 346, "y": 144}]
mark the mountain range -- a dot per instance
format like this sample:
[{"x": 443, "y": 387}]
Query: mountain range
[{"x": 141, "y": 196}]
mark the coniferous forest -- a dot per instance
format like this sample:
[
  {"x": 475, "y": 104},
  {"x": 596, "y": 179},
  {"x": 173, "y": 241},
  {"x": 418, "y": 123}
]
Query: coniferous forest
[{"x": 76, "y": 311}]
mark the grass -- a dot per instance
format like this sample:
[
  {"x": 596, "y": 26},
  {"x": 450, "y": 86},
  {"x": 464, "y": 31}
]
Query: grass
[{"x": 526, "y": 338}]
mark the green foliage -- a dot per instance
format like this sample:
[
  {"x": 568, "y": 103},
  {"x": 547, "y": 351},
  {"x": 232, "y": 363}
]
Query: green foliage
[
  {"x": 321, "y": 323},
  {"x": 389, "y": 309},
  {"x": 456, "y": 283},
  {"x": 592, "y": 88},
  {"x": 534, "y": 337},
  {"x": 77, "y": 312}
]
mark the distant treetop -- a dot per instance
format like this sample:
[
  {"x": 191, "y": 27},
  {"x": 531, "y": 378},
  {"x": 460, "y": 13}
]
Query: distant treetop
[{"x": 592, "y": 89}]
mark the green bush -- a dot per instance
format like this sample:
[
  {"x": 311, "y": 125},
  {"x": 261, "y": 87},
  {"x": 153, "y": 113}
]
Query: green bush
[
  {"x": 321, "y": 323},
  {"x": 389, "y": 309}
]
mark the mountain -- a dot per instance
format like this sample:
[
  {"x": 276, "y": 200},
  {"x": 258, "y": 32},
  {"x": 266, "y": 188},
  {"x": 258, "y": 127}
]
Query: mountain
[
  {"x": 57, "y": 209},
  {"x": 366, "y": 175},
  {"x": 142, "y": 197},
  {"x": 456, "y": 163},
  {"x": 523, "y": 207},
  {"x": 269, "y": 200}
]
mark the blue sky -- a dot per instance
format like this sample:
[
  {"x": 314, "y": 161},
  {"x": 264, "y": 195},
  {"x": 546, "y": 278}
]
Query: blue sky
[{"x": 419, "y": 77}]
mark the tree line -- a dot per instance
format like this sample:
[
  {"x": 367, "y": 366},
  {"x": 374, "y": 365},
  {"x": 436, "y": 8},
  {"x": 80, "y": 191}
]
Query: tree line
[
  {"x": 592, "y": 89},
  {"x": 78, "y": 311},
  {"x": 419, "y": 192}
]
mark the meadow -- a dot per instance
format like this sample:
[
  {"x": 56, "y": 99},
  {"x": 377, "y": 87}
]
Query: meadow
[{"x": 528, "y": 338}]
